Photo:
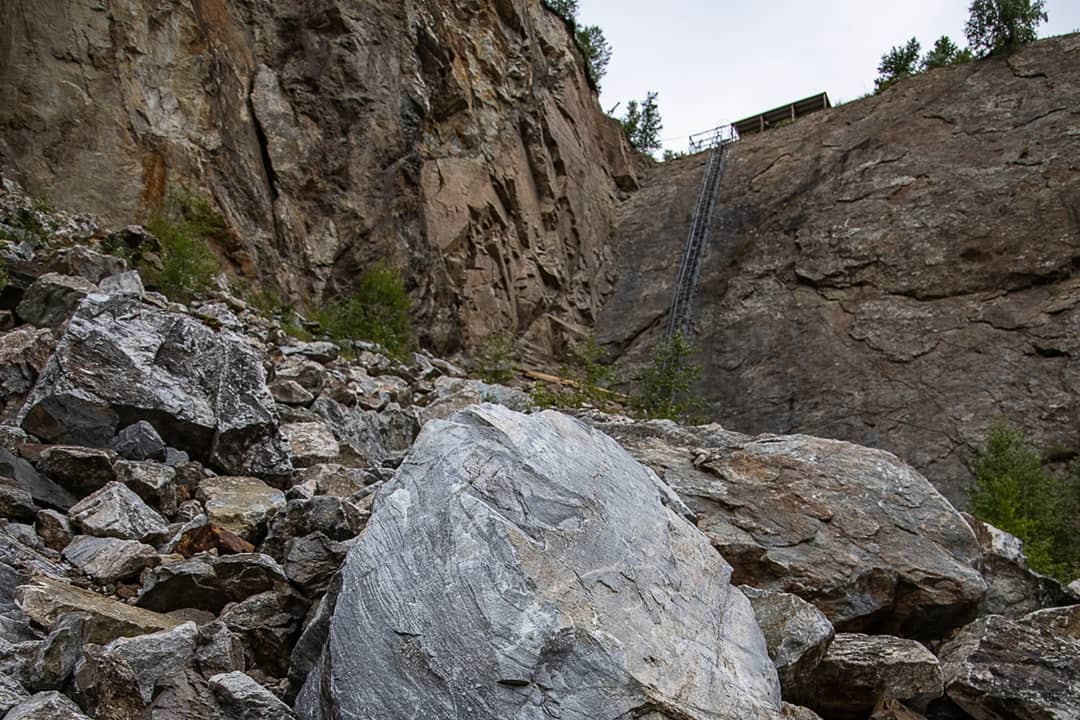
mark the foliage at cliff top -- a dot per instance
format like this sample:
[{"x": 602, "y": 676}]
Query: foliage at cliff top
[{"x": 590, "y": 38}]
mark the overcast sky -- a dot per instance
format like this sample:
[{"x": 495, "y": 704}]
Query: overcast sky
[{"x": 716, "y": 61}]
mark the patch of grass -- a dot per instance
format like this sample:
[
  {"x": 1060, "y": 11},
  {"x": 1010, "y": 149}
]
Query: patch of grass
[
  {"x": 185, "y": 228},
  {"x": 379, "y": 311},
  {"x": 1014, "y": 492},
  {"x": 588, "y": 379},
  {"x": 664, "y": 387}
]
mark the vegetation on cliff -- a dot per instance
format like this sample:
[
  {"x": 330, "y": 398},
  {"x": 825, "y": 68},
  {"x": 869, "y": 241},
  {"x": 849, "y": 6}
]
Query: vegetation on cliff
[
  {"x": 1015, "y": 492},
  {"x": 378, "y": 310}
]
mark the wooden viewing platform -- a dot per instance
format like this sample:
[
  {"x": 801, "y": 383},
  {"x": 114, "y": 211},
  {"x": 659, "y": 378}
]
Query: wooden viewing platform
[{"x": 783, "y": 114}]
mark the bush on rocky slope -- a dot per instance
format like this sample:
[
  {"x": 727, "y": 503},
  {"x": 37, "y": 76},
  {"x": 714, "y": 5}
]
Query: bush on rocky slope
[
  {"x": 379, "y": 310},
  {"x": 1013, "y": 491},
  {"x": 184, "y": 228}
]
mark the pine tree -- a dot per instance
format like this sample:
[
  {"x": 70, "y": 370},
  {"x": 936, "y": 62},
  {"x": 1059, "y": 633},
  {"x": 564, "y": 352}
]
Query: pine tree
[
  {"x": 642, "y": 123},
  {"x": 945, "y": 52},
  {"x": 900, "y": 62}
]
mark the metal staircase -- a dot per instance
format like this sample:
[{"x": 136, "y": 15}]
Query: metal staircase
[{"x": 682, "y": 304}]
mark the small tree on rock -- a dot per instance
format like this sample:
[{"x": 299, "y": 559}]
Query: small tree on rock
[
  {"x": 900, "y": 62},
  {"x": 1003, "y": 25},
  {"x": 642, "y": 124},
  {"x": 944, "y": 53}
]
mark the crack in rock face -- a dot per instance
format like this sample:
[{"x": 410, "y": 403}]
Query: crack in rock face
[{"x": 523, "y": 565}]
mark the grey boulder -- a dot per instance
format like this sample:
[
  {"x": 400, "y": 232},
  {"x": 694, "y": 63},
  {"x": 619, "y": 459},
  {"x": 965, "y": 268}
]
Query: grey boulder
[
  {"x": 80, "y": 470},
  {"x": 109, "y": 560},
  {"x": 1024, "y": 669},
  {"x": 244, "y": 699},
  {"x": 204, "y": 391},
  {"x": 517, "y": 563},
  {"x": 139, "y": 441},
  {"x": 49, "y": 705},
  {"x": 43, "y": 490},
  {"x": 859, "y": 670},
  {"x": 115, "y": 511},
  {"x": 796, "y": 633},
  {"x": 852, "y": 530},
  {"x": 51, "y": 299}
]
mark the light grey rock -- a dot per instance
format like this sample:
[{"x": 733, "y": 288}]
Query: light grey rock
[
  {"x": 372, "y": 438},
  {"x": 1013, "y": 589},
  {"x": 797, "y": 712},
  {"x": 209, "y": 583},
  {"x": 11, "y": 693},
  {"x": 115, "y": 511},
  {"x": 290, "y": 392},
  {"x": 125, "y": 283},
  {"x": 796, "y": 633},
  {"x": 109, "y": 560},
  {"x": 241, "y": 504},
  {"x": 335, "y": 480},
  {"x": 81, "y": 470},
  {"x": 51, "y": 299},
  {"x": 49, "y": 705},
  {"x": 43, "y": 490},
  {"x": 153, "y": 482},
  {"x": 1023, "y": 668},
  {"x": 54, "y": 529},
  {"x": 518, "y": 562},
  {"x": 859, "y": 670},
  {"x": 218, "y": 650},
  {"x": 57, "y": 654},
  {"x": 852, "y": 530},
  {"x": 83, "y": 262},
  {"x": 320, "y": 352},
  {"x": 310, "y": 443},
  {"x": 157, "y": 656},
  {"x": 244, "y": 699},
  {"x": 453, "y": 394},
  {"x": 205, "y": 392},
  {"x": 308, "y": 374},
  {"x": 139, "y": 441},
  {"x": 308, "y": 649}
]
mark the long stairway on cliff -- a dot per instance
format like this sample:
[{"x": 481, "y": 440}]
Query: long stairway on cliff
[{"x": 682, "y": 304}]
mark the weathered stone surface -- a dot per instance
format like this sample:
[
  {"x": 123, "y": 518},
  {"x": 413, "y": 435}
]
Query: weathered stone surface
[
  {"x": 290, "y": 392},
  {"x": 895, "y": 272},
  {"x": 153, "y": 482},
  {"x": 267, "y": 625},
  {"x": 312, "y": 561},
  {"x": 888, "y": 709},
  {"x": 859, "y": 670},
  {"x": 43, "y": 490},
  {"x": 453, "y": 394},
  {"x": 108, "y": 560},
  {"x": 320, "y": 352},
  {"x": 797, "y": 712},
  {"x": 125, "y": 283},
  {"x": 1012, "y": 588},
  {"x": 52, "y": 298},
  {"x": 244, "y": 699},
  {"x": 56, "y": 656},
  {"x": 117, "y": 512},
  {"x": 210, "y": 583},
  {"x": 852, "y": 530},
  {"x": 80, "y": 470},
  {"x": 374, "y": 438},
  {"x": 139, "y": 441},
  {"x": 1022, "y": 668},
  {"x": 334, "y": 480},
  {"x": 47, "y": 600},
  {"x": 15, "y": 503},
  {"x": 310, "y": 443},
  {"x": 83, "y": 262},
  {"x": 54, "y": 529},
  {"x": 463, "y": 142},
  {"x": 23, "y": 353},
  {"x": 204, "y": 538},
  {"x": 240, "y": 504},
  {"x": 157, "y": 656},
  {"x": 49, "y": 705},
  {"x": 11, "y": 692},
  {"x": 335, "y": 518},
  {"x": 568, "y": 554},
  {"x": 796, "y": 633},
  {"x": 204, "y": 392}
]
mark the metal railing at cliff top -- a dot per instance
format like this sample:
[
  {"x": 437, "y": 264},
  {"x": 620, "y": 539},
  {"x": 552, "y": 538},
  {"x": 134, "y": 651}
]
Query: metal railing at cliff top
[{"x": 708, "y": 139}]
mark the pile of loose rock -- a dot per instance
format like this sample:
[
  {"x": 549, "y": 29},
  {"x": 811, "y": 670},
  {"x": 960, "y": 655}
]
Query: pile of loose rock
[{"x": 203, "y": 517}]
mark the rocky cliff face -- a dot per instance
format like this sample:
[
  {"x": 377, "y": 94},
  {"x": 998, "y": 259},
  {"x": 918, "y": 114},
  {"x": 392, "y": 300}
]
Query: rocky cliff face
[
  {"x": 896, "y": 271},
  {"x": 461, "y": 141}
]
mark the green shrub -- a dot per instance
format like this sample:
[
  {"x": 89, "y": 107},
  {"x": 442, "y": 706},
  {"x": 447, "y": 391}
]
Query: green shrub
[
  {"x": 496, "y": 361},
  {"x": 1014, "y": 492},
  {"x": 663, "y": 388},
  {"x": 379, "y": 311},
  {"x": 185, "y": 228},
  {"x": 587, "y": 378}
]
